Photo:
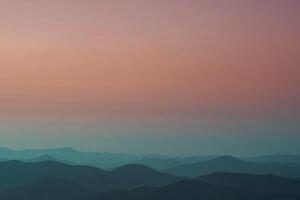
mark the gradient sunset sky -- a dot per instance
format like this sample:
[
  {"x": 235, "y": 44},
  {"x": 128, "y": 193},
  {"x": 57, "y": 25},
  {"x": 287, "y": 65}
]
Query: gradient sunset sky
[{"x": 179, "y": 77}]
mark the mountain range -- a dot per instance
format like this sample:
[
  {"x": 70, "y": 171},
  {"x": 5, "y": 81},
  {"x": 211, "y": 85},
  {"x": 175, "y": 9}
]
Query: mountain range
[
  {"x": 268, "y": 183},
  {"x": 49, "y": 180},
  {"x": 232, "y": 164},
  {"x": 18, "y": 173},
  {"x": 109, "y": 161},
  {"x": 187, "y": 190},
  {"x": 102, "y": 160}
]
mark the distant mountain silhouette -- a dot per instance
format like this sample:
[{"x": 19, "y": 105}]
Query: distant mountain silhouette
[
  {"x": 17, "y": 173},
  {"x": 160, "y": 163},
  {"x": 186, "y": 190},
  {"x": 45, "y": 189},
  {"x": 69, "y": 155},
  {"x": 109, "y": 161},
  {"x": 41, "y": 159},
  {"x": 194, "y": 159},
  {"x": 275, "y": 158},
  {"x": 269, "y": 184},
  {"x": 231, "y": 164},
  {"x": 134, "y": 175},
  {"x": 102, "y": 160}
]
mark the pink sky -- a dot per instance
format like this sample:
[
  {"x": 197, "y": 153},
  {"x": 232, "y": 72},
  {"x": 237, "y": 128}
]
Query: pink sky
[{"x": 149, "y": 58}]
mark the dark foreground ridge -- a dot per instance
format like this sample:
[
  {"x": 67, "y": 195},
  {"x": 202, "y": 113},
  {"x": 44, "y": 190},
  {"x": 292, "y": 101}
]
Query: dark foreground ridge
[{"x": 187, "y": 190}]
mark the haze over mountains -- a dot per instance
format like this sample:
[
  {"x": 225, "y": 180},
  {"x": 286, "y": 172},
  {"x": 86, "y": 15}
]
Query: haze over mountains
[
  {"x": 67, "y": 174},
  {"x": 103, "y": 160},
  {"x": 112, "y": 160},
  {"x": 231, "y": 164},
  {"x": 275, "y": 158},
  {"x": 49, "y": 180}
]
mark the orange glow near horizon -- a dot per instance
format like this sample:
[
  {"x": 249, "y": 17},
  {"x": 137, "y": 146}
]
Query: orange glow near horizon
[{"x": 144, "y": 58}]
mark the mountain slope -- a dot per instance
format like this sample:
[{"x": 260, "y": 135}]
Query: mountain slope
[
  {"x": 159, "y": 163},
  {"x": 186, "y": 190},
  {"x": 17, "y": 173},
  {"x": 269, "y": 184},
  {"x": 234, "y": 165},
  {"x": 69, "y": 155},
  {"x": 45, "y": 189},
  {"x": 41, "y": 159},
  {"x": 275, "y": 158},
  {"x": 133, "y": 175}
]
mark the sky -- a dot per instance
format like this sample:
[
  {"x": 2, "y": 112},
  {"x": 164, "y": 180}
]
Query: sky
[{"x": 178, "y": 77}]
